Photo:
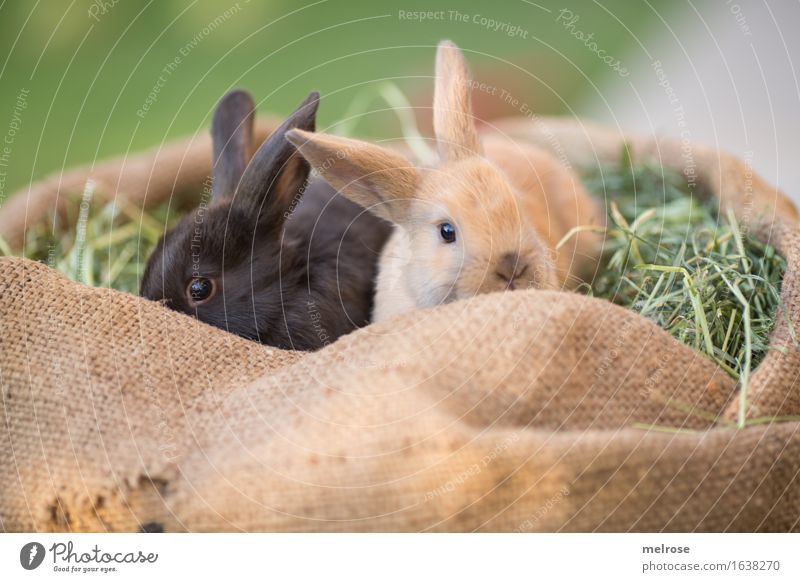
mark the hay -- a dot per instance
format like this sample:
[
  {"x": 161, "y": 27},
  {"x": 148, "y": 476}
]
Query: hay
[
  {"x": 96, "y": 242},
  {"x": 667, "y": 256}
]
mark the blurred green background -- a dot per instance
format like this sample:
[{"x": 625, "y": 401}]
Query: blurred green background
[{"x": 89, "y": 66}]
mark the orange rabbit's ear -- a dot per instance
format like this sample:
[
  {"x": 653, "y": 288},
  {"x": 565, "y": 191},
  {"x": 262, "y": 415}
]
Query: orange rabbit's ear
[
  {"x": 453, "y": 123},
  {"x": 379, "y": 179}
]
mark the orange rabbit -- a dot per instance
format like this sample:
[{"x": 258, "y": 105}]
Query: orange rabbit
[{"x": 486, "y": 218}]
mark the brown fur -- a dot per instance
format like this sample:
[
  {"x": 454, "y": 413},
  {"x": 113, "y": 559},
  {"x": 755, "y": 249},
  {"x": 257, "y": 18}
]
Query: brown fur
[
  {"x": 292, "y": 264},
  {"x": 510, "y": 204}
]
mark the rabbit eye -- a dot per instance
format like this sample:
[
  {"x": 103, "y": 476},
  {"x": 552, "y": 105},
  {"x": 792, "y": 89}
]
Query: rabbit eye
[
  {"x": 448, "y": 232},
  {"x": 200, "y": 290}
]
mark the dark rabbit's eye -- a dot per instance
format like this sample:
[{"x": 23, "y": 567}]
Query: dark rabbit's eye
[
  {"x": 448, "y": 232},
  {"x": 200, "y": 290}
]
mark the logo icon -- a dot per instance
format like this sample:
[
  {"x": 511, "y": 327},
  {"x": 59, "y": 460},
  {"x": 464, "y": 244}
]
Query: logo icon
[{"x": 31, "y": 555}]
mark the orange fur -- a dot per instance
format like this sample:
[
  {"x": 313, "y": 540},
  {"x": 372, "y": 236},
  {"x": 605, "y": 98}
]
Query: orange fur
[
  {"x": 377, "y": 178},
  {"x": 510, "y": 204},
  {"x": 456, "y": 136}
]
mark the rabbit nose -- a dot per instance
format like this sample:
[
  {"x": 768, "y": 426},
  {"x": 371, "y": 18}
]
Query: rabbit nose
[{"x": 509, "y": 268}]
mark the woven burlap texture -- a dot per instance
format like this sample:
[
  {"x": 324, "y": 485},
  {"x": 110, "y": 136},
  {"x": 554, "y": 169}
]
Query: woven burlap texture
[{"x": 521, "y": 411}]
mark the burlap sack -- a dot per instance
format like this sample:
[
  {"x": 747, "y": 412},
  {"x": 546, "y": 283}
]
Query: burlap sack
[{"x": 523, "y": 411}]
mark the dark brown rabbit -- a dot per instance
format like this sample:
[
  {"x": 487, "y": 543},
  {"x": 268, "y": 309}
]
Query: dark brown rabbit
[{"x": 271, "y": 257}]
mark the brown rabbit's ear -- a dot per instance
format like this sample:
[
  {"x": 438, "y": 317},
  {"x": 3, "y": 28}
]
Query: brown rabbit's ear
[
  {"x": 372, "y": 176},
  {"x": 277, "y": 173},
  {"x": 231, "y": 134},
  {"x": 453, "y": 123}
]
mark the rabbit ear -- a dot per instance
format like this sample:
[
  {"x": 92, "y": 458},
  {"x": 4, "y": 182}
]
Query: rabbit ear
[
  {"x": 456, "y": 136},
  {"x": 372, "y": 176},
  {"x": 277, "y": 173},
  {"x": 231, "y": 134}
]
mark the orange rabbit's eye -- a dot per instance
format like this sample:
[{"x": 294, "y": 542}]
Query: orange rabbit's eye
[
  {"x": 200, "y": 290},
  {"x": 448, "y": 232}
]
